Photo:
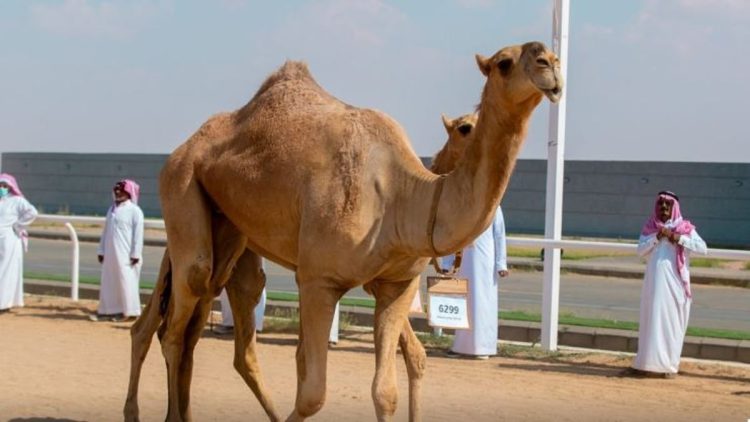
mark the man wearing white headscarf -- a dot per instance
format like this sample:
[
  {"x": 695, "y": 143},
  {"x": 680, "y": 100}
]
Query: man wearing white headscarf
[
  {"x": 484, "y": 261},
  {"x": 121, "y": 254},
  {"x": 16, "y": 213},
  {"x": 665, "y": 240}
]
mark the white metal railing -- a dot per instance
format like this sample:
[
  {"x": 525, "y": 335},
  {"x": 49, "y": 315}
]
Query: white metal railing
[
  {"x": 149, "y": 223},
  {"x": 613, "y": 247},
  {"x": 68, "y": 221}
]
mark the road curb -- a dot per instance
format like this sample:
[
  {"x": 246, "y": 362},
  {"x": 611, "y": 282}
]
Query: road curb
[
  {"x": 521, "y": 331},
  {"x": 696, "y": 276}
]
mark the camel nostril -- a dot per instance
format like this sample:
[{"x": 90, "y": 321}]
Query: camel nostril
[{"x": 542, "y": 62}]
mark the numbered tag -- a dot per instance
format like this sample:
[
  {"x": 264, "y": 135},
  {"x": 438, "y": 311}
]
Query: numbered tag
[{"x": 448, "y": 311}]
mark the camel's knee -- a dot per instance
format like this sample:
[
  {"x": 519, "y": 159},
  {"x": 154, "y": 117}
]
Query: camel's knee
[
  {"x": 199, "y": 274},
  {"x": 310, "y": 401},
  {"x": 385, "y": 398}
]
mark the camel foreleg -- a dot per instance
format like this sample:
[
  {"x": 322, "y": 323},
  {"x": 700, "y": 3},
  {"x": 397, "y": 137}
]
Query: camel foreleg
[
  {"x": 392, "y": 302},
  {"x": 416, "y": 361},
  {"x": 317, "y": 301}
]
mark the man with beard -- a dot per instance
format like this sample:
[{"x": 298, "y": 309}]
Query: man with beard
[{"x": 665, "y": 240}]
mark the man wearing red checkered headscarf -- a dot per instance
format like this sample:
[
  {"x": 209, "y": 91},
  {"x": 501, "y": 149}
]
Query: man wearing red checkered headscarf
[{"x": 666, "y": 240}]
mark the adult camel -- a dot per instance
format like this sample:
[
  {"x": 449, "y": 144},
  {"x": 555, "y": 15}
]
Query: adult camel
[
  {"x": 336, "y": 194},
  {"x": 250, "y": 279}
]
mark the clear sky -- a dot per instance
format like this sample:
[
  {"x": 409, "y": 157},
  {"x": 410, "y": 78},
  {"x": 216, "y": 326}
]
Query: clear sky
[{"x": 648, "y": 79}]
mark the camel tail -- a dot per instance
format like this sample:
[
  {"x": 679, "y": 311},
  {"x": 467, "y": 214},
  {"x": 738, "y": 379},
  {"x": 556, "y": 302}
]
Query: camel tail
[{"x": 167, "y": 291}]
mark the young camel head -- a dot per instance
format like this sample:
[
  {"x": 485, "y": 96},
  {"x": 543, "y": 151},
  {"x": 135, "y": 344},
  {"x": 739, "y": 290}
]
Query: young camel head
[
  {"x": 522, "y": 73},
  {"x": 459, "y": 134}
]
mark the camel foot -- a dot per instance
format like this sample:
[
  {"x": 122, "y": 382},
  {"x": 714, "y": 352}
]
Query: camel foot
[
  {"x": 131, "y": 413},
  {"x": 294, "y": 417}
]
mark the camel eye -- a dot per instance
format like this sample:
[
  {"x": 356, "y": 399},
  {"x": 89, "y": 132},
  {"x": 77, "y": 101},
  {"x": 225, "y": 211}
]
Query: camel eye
[
  {"x": 542, "y": 62},
  {"x": 464, "y": 129},
  {"x": 505, "y": 65}
]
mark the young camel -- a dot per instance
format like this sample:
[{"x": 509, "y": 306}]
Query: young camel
[
  {"x": 296, "y": 169},
  {"x": 459, "y": 136}
]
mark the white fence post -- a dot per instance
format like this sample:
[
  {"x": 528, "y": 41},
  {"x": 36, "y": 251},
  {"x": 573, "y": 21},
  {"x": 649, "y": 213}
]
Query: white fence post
[
  {"x": 555, "y": 175},
  {"x": 75, "y": 256}
]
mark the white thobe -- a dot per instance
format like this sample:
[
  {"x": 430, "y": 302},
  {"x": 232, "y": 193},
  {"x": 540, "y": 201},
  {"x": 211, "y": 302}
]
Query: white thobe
[
  {"x": 333, "y": 335},
  {"x": 15, "y": 214},
  {"x": 481, "y": 262},
  {"x": 121, "y": 240},
  {"x": 227, "y": 319},
  {"x": 665, "y": 305}
]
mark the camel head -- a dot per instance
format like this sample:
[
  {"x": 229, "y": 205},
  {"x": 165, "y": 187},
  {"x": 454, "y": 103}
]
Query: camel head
[
  {"x": 523, "y": 72},
  {"x": 460, "y": 131}
]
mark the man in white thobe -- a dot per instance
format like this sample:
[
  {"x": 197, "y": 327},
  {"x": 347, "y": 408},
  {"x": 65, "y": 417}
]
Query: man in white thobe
[
  {"x": 121, "y": 255},
  {"x": 16, "y": 213},
  {"x": 666, "y": 239},
  {"x": 483, "y": 263}
]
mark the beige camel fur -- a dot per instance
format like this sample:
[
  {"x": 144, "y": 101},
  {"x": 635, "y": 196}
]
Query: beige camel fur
[{"x": 336, "y": 194}]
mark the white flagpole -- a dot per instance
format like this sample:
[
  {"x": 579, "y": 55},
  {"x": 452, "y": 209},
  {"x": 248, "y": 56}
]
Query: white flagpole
[{"x": 555, "y": 175}]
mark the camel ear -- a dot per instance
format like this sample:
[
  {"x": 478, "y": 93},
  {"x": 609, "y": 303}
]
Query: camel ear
[
  {"x": 447, "y": 122},
  {"x": 484, "y": 64}
]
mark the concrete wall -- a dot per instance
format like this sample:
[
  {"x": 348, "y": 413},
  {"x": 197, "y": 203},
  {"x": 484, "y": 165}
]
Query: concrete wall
[
  {"x": 82, "y": 183},
  {"x": 601, "y": 199},
  {"x": 613, "y": 198}
]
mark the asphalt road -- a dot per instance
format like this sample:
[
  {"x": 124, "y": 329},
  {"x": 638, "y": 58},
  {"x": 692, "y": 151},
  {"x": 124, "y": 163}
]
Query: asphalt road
[{"x": 584, "y": 296}]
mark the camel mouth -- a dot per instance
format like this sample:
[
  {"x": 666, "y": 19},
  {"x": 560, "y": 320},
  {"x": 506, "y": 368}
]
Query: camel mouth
[{"x": 553, "y": 94}]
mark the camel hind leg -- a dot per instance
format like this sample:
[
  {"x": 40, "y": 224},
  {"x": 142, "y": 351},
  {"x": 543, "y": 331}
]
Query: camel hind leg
[
  {"x": 141, "y": 334},
  {"x": 228, "y": 245},
  {"x": 193, "y": 332},
  {"x": 187, "y": 216},
  {"x": 244, "y": 289}
]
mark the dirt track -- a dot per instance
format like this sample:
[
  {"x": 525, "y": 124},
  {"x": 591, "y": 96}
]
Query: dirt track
[{"x": 55, "y": 365}]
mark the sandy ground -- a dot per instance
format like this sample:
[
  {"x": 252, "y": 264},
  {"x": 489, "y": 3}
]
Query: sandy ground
[{"x": 55, "y": 365}]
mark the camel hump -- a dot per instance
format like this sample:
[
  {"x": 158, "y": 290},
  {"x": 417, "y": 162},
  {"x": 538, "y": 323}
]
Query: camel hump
[{"x": 290, "y": 71}]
